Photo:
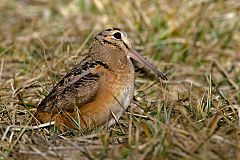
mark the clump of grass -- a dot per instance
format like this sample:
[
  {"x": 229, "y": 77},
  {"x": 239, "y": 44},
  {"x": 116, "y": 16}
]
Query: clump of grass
[{"x": 194, "y": 115}]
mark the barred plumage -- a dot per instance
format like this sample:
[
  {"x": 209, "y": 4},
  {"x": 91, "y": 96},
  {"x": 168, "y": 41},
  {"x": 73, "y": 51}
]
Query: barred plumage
[{"x": 97, "y": 88}]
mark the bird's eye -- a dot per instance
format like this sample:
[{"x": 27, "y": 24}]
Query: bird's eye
[{"x": 117, "y": 35}]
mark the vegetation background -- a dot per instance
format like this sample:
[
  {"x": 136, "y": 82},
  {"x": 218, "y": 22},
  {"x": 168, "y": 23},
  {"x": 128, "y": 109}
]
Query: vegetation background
[{"x": 193, "y": 115}]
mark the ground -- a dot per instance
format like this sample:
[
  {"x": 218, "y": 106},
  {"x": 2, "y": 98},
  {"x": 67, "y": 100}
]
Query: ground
[{"x": 193, "y": 115}]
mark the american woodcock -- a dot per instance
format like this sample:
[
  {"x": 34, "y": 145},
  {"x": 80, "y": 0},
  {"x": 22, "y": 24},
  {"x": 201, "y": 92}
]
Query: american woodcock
[{"x": 97, "y": 90}]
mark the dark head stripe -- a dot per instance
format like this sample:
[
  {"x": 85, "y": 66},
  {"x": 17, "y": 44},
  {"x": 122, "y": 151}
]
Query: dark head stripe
[
  {"x": 118, "y": 29},
  {"x": 109, "y": 29}
]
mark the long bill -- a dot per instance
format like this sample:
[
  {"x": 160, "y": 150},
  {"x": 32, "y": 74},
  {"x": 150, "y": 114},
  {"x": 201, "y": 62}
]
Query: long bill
[{"x": 133, "y": 54}]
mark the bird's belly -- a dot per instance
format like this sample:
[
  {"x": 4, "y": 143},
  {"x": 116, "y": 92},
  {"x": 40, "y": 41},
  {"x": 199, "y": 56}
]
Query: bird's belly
[
  {"x": 121, "y": 98},
  {"x": 111, "y": 102},
  {"x": 122, "y": 101}
]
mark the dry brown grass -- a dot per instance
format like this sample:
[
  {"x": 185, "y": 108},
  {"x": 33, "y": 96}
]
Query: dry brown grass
[{"x": 194, "y": 115}]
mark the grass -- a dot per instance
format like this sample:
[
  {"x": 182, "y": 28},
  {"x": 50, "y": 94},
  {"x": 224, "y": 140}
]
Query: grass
[{"x": 193, "y": 115}]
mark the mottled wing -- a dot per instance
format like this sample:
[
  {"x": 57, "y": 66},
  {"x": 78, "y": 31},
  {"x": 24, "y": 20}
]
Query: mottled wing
[{"x": 75, "y": 89}]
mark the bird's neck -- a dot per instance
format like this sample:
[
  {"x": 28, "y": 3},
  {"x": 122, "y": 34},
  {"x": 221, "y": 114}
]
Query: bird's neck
[{"x": 111, "y": 55}]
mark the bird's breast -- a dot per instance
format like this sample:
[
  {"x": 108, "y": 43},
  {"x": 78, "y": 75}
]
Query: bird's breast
[
  {"x": 121, "y": 89},
  {"x": 114, "y": 96}
]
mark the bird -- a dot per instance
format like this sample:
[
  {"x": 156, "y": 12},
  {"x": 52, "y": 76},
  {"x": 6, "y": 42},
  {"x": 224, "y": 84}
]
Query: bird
[{"x": 99, "y": 89}]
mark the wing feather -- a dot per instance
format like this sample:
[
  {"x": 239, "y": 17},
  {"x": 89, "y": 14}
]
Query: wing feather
[{"x": 78, "y": 87}]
